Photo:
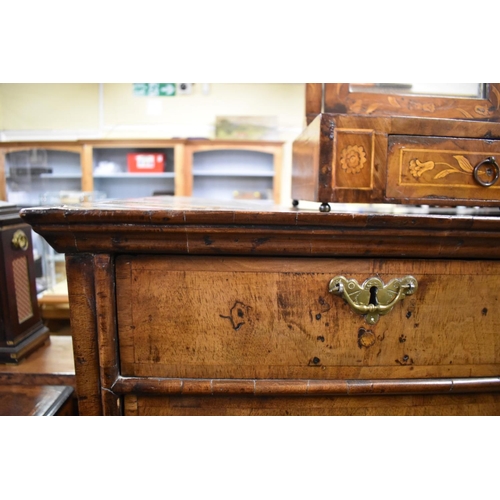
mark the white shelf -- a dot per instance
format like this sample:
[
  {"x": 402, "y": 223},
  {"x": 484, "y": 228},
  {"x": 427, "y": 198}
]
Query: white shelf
[
  {"x": 217, "y": 173},
  {"x": 60, "y": 176},
  {"x": 132, "y": 175},
  {"x": 44, "y": 176}
]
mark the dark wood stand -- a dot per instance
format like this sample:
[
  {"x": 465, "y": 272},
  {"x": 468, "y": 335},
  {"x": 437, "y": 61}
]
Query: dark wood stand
[{"x": 21, "y": 327}]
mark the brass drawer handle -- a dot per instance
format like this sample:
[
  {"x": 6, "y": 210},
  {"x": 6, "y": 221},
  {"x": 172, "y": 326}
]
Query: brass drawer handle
[
  {"x": 20, "y": 240},
  {"x": 488, "y": 163},
  {"x": 372, "y": 299}
]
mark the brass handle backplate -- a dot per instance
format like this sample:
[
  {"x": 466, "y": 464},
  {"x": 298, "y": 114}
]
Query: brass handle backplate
[
  {"x": 487, "y": 172},
  {"x": 372, "y": 299}
]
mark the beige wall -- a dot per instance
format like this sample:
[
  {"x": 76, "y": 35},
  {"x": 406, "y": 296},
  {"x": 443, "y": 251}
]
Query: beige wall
[
  {"x": 33, "y": 111},
  {"x": 112, "y": 109},
  {"x": 43, "y": 106},
  {"x": 195, "y": 114}
]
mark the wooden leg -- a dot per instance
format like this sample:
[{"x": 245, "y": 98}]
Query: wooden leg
[
  {"x": 80, "y": 272},
  {"x": 106, "y": 332}
]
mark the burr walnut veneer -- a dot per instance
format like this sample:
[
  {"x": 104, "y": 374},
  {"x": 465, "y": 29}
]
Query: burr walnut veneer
[{"x": 179, "y": 308}]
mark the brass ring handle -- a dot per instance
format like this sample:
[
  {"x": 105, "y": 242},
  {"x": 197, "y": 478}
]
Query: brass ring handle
[
  {"x": 373, "y": 298},
  {"x": 489, "y": 161}
]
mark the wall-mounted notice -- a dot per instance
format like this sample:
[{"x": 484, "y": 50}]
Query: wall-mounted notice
[{"x": 154, "y": 89}]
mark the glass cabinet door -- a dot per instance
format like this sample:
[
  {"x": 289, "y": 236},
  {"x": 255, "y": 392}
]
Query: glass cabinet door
[{"x": 31, "y": 173}]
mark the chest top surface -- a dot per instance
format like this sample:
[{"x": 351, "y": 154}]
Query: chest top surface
[{"x": 196, "y": 226}]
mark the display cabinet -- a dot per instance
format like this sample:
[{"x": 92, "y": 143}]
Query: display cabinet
[
  {"x": 28, "y": 170},
  {"x": 106, "y": 163},
  {"x": 212, "y": 169},
  {"x": 234, "y": 169}
]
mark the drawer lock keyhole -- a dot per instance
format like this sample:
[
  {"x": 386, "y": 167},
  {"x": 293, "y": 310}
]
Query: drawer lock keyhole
[{"x": 373, "y": 298}]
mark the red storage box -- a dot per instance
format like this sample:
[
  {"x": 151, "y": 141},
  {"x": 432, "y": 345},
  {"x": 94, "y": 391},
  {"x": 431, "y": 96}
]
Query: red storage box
[{"x": 145, "y": 163}]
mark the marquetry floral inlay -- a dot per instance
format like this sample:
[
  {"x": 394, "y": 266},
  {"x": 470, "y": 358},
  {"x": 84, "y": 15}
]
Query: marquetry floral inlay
[
  {"x": 353, "y": 159},
  {"x": 417, "y": 167}
]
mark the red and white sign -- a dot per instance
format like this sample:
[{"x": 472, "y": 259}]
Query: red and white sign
[{"x": 145, "y": 163}]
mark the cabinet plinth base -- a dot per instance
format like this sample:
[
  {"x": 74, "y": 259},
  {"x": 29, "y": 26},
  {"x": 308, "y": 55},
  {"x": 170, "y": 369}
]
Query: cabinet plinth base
[{"x": 14, "y": 354}]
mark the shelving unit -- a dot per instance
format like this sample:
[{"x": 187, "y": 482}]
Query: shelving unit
[
  {"x": 212, "y": 169},
  {"x": 228, "y": 169},
  {"x": 119, "y": 182},
  {"x": 22, "y": 165}
]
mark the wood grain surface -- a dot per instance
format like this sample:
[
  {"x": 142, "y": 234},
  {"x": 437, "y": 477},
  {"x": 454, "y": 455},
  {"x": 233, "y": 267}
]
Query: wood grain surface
[
  {"x": 81, "y": 293},
  {"x": 344, "y": 158},
  {"x": 428, "y": 168},
  {"x": 241, "y": 318},
  {"x": 185, "y": 308},
  {"x": 421, "y": 405},
  {"x": 338, "y": 98},
  {"x": 173, "y": 225},
  {"x": 36, "y": 400},
  {"x": 51, "y": 364}
]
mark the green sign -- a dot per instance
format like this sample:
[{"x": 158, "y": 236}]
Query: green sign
[{"x": 154, "y": 89}]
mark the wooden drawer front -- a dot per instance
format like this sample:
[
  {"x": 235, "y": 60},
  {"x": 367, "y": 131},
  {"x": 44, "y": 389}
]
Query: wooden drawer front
[
  {"x": 457, "y": 404},
  {"x": 211, "y": 317},
  {"x": 434, "y": 169}
]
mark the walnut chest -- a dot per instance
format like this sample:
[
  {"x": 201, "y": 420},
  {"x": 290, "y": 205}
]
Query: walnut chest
[{"x": 182, "y": 308}]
